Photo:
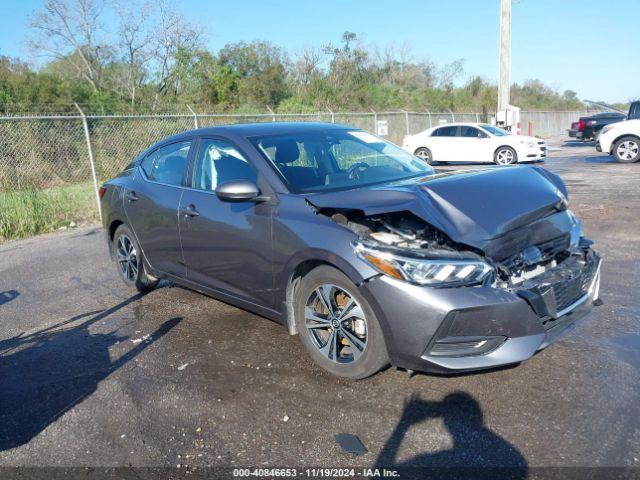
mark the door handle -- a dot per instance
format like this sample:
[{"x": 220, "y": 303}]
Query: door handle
[
  {"x": 131, "y": 196},
  {"x": 190, "y": 211}
]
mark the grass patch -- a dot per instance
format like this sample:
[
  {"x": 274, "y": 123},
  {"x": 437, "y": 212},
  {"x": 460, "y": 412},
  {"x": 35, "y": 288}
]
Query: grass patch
[{"x": 32, "y": 211}]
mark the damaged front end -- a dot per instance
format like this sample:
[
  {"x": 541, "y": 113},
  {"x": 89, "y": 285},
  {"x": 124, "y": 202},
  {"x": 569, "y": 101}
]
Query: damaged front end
[{"x": 495, "y": 303}]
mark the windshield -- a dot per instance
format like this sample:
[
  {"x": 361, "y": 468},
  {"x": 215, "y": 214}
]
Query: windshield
[
  {"x": 498, "y": 132},
  {"x": 337, "y": 159}
]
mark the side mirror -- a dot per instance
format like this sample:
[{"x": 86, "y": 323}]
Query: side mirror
[{"x": 239, "y": 191}]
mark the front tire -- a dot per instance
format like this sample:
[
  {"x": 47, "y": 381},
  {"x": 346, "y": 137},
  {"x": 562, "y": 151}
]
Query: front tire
[
  {"x": 627, "y": 150},
  {"x": 505, "y": 156},
  {"x": 129, "y": 261},
  {"x": 424, "y": 154},
  {"x": 337, "y": 326}
]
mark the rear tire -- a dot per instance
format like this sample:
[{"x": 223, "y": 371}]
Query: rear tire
[
  {"x": 129, "y": 261},
  {"x": 345, "y": 339},
  {"x": 505, "y": 156},
  {"x": 424, "y": 154},
  {"x": 627, "y": 149}
]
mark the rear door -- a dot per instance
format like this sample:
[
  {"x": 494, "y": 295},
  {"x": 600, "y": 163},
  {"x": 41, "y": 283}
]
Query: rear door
[
  {"x": 442, "y": 143},
  {"x": 227, "y": 245},
  {"x": 151, "y": 205}
]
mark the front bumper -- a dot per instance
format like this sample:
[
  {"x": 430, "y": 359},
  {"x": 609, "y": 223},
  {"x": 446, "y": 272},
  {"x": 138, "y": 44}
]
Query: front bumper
[
  {"x": 539, "y": 152},
  {"x": 473, "y": 328}
]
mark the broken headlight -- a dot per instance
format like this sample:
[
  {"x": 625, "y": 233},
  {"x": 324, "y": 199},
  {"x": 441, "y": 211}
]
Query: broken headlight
[{"x": 436, "y": 270}]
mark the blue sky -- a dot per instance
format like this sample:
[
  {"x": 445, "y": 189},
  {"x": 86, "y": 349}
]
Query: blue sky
[{"x": 584, "y": 45}]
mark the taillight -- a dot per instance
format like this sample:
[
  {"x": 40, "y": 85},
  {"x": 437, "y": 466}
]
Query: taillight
[
  {"x": 581, "y": 126},
  {"x": 101, "y": 191}
]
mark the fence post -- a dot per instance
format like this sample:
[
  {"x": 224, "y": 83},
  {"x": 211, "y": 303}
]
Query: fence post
[
  {"x": 87, "y": 137},
  {"x": 333, "y": 117},
  {"x": 453, "y": 117},
  {"x": 406, "y": 121},
  {"x": 195, "y": 117},
  {"x": 273, "y": 114},
  {"x": 477, "y": 118},
  {"x": 429, "y": 113},
  {"x": 375, "y": 121}
]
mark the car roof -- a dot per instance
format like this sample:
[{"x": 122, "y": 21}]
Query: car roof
[
  {"x": 606, "y": 114},
  {"x": 457, "y": 124},
  {"x": 259, "y": 129}
]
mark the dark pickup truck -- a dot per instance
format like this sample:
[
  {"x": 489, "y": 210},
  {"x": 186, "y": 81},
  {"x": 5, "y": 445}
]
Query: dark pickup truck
[
  {"x": 634, "y": 111},
  {"x": 588, "y": 127}
]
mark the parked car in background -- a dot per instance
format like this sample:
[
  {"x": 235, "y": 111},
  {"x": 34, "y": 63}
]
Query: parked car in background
[
  {"x": 634, "y": 111},
  {"x": 622, "y": 140},
  {"x": 474, "y": 142},
  {"x": 589, "y": 127},
  {"x": 573, "y": 131},
  {"x": 358, "y": 247}
]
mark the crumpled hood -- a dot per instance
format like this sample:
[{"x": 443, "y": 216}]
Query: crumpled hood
[{"x": 471, "y": 207}]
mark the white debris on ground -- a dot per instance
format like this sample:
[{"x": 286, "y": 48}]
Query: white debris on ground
[
  {"x": 144, "y": 338},
  {"x": 183, "y": 366}
]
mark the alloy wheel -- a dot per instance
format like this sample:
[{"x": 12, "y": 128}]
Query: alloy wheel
[
  {"x": 627, "y": 150},
  {"x": 504, "y": 157},
  {"x": 336, "y": 324},
  {"x": 127, "y": 258},
  {"x": 423, "y": 154}
]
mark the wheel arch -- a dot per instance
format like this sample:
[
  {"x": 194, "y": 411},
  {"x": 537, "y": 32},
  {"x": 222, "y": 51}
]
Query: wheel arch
[
  {"x": 302, "y": 266},
  {"x": 620, "y": 137},
  {"x": 505, "y": 145},
  {"x": 111, "y": 231},
  {"x": 113, "y": 226}
]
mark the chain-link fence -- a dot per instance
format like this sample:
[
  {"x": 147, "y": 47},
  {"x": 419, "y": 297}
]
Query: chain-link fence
[{"x": 45, "y": 152}]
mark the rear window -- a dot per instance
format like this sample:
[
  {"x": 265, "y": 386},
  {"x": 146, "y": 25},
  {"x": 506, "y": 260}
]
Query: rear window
[
  {"x": 445, "y": 132},
  {"x": 167, "y": 164}
]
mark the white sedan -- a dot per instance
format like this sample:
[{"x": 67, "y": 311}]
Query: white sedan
[{"x": 474, "y": 142}]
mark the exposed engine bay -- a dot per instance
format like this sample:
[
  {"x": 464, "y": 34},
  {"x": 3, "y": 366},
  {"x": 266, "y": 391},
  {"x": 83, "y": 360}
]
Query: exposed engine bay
[{"x": 563, "y": 264}]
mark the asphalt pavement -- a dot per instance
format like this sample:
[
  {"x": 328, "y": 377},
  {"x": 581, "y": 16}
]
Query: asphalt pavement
[{"x": 93, "y": 375}]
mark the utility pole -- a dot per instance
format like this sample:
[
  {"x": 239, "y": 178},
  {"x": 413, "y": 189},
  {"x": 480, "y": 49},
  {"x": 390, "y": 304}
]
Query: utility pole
[{"x": 504, "y": 68}]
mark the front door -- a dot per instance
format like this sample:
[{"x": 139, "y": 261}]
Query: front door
[
  {"x": 472, "y": 145},
  {"x": 151, "y": 206},
  {"x": 226, "y": 245}
]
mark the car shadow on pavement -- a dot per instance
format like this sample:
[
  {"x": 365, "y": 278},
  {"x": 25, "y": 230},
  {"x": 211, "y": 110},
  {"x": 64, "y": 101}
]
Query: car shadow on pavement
[
  {"x": 45, "y": 374},
  {"x": 476, "y": 450},
  {"x": 601, "y": 158},
  {"x": 578, "y": 143},
  {"x": 8, "y": 295}
]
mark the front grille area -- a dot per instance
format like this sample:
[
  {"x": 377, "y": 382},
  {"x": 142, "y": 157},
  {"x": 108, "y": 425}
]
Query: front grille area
[
  {"x": 554, "y": 246},
  {"x": 558, "y": 288},
  {"x": 549, "y": 249},
  {"x": 571, "y": 289}
]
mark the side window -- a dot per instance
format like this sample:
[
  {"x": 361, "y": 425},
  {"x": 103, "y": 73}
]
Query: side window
[
  {"x": 220, "y": 162},
  {"x": 167, "y": 164},
  {"x": 471, "y": 132},
  {"x": 445, "y": 132},
  {"x": 634, "y": 112}
]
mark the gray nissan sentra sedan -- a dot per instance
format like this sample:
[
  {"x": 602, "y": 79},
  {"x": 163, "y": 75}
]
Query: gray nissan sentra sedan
[{"x": 364, "y": 251}]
